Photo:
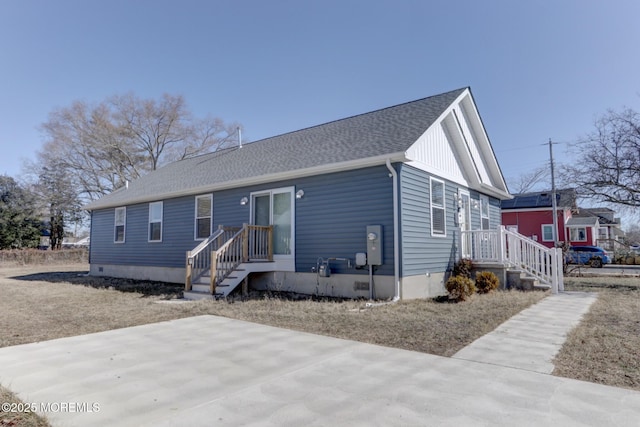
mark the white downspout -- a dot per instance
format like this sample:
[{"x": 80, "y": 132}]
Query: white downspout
[{"x": 396, "y": 232}]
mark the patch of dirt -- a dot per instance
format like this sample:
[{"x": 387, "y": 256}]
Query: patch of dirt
[{"x": 143, "y": 287}]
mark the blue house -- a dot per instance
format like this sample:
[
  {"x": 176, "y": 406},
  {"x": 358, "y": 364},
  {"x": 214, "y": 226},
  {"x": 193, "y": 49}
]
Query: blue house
[{"x": 373, "y": 204}]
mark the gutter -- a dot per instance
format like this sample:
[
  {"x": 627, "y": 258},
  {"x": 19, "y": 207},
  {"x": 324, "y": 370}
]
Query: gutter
[
  {"x": 396, "y": 232},
  {"x": 143, "y": 197}
]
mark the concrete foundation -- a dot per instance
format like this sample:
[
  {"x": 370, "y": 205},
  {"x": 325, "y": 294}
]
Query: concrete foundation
[
  {"x": 423, "y": 286},
  {"x": 498, "y": 269},
  {"x": 336, "y": 285},
  {"x": 138, "y": 272}
]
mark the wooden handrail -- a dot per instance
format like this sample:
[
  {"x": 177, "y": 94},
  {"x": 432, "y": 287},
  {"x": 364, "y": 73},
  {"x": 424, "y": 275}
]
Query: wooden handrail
[
  {"x": 198, "y": 260},
  {"x": 251, "y": 242}
]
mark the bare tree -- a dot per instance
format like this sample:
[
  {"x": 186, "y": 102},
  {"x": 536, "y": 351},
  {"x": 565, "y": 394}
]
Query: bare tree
[
  {"x": 632, "y": 234},
  {"x": 58, "y": 198},
  {"x": 528, "y": 181},
  {"x": 606, "y": 163},
  {"x": 120, "y": 139}
]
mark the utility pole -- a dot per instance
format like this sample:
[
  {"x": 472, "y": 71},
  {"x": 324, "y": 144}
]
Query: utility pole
[{"x": 554, "y": 204}]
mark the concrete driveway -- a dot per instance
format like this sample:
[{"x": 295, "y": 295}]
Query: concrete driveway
[{"x": 208, "y": 371}]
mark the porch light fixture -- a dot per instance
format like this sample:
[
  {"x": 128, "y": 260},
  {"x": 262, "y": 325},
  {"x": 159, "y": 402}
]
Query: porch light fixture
[
  {"x": 244, "y": 201},
  {"x": 476, "y": 204},
  {"x": 299, "y": 194}
]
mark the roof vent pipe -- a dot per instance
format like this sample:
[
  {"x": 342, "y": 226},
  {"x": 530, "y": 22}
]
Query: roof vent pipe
[{"x": 239, "y": 137}]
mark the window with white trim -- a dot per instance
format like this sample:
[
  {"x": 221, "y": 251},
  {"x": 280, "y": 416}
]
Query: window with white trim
[
  {"x": 204, "y": 217},
  {"x": 484, "y": 212},
  {"x": 578, "y": 234},
  {"x": 547, "y": 232},
  {"x": 438, "y": 213},
  {"x": 155, "y": 221},
  {"x": 603, "y": 233},
  {"x": 119, "y": 224}
]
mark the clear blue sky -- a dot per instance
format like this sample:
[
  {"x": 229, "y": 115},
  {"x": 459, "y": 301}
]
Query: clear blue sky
[{"x": 537, "y": 69}]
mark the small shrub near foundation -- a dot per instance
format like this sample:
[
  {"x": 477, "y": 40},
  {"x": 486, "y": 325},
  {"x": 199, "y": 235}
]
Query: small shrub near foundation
[
  {"x": 486, "y": 282},
  {"x": 462, "y": 268},
  {"x": 460, "y": 288}
]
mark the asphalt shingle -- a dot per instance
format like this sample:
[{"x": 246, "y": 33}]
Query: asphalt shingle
[{"x": 381, "y": 132}]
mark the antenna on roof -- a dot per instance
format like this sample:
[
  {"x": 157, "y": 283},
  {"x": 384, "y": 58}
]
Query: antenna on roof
[{"x": 239, "y": 137}]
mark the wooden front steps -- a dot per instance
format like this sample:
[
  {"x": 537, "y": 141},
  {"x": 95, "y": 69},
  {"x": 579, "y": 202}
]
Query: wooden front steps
[{"x": 201, "y": 288}]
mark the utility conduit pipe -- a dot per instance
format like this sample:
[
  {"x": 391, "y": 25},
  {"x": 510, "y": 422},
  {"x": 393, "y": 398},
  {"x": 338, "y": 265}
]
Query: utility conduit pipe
[{"x": 396, "y": 231}]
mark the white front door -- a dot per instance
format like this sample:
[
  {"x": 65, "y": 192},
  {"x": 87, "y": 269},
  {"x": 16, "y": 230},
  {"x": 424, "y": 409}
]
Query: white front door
[
  {"x": 464, "y": 219},
  {"x": 276, "y": 207}
]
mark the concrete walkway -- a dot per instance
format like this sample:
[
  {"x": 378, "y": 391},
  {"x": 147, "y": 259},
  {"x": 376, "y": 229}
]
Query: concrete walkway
[
  {"x": 531, "y": 339},
  {"x": 208, "y": 371}
]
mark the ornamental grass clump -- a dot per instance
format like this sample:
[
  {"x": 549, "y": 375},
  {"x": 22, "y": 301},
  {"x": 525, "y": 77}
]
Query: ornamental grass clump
[
  {"x": 460, "y": 288},
  {"x": 486, "y": 282},
  {"x": 463, "y": 268}
]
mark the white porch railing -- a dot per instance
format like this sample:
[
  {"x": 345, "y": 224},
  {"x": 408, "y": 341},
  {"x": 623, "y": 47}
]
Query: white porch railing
[{"x": 515, "y": 250}]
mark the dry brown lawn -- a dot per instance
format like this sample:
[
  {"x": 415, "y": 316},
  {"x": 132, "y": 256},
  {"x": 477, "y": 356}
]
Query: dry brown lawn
[
  {"x": 605, "y": 347},
  {"x": 42, "y": 303},
  {"x": 48, "y": 302},
  {"x": 60, "y": 301}
]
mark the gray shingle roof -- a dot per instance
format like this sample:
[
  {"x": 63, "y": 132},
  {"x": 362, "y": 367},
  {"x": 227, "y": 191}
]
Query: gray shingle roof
[
  {"x": 597, "y": 212},
  {"x": 382, "y": 132},
  {"x": 582, "y": 221}
]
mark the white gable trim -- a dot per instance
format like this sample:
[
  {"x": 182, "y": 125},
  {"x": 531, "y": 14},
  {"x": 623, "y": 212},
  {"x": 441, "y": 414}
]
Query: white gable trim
[{"x": 456, "y": 147}]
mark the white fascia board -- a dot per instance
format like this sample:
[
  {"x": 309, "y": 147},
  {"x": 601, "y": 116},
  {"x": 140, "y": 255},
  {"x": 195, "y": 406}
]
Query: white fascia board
[
  {"x": 466, "y": 164},
  {"x": 495, "y": 192},
  {"x": 486, "y": 147},
  {"x": 262, "y": 179},
  {"x": 440, "y": 121}
]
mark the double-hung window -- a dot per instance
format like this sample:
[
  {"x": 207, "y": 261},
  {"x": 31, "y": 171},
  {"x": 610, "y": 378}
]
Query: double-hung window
[
  {"x": 203, "y": 222},
  {"x": 578, "y": 234},
  {"x": 438, "y": 214},
  {"x": 484, "y": 212},
  {"x": 120, "y": 223},
  {"x": 155, "y": 222},
  {"x": 547, "y": 232}
]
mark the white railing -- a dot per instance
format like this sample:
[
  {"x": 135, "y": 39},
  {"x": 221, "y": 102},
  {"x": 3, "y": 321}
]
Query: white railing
[{"x": 515, "y": 250}]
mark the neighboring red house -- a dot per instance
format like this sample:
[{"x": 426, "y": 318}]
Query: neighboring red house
[{"x": 531, "y": 214}]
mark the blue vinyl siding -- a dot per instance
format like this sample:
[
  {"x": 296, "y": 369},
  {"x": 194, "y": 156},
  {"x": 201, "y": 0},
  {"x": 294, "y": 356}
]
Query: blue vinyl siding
[
  {"x": 420, "y": 251},
  {"x": 177, "y": 235},
  {"x": 495, "y": 213},
  {"x": 331, "y": 221},
  {"x": 331, "y": 218}
]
